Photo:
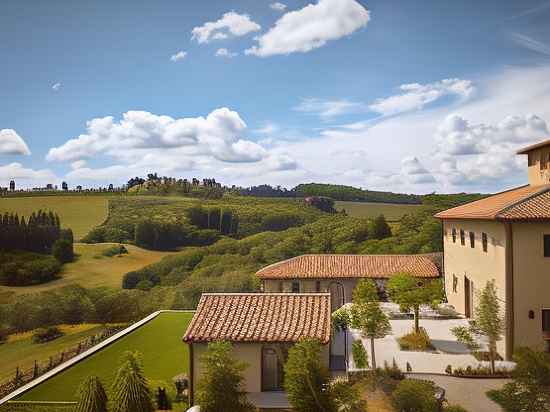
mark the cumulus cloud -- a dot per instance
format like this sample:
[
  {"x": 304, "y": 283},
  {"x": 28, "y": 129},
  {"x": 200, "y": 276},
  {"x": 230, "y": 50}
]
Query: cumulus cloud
[
  {"x": 329, "y": 108},
  {"x": 26, "y": 175},
  {"x": 178, "y": 56},
  {"x": 223, "y": 52},
  {"x": 414, "y": 171},
  {"x": 231, "y": 23},
  {"x": 56, "y": 87},
  {"x": 12, "y": 144},
  {"x": 311, "y": 27},
  {"x": 278, "y": 6},
  {"x": 217, "y": 135},
  {"x": 415, "y": 96}
]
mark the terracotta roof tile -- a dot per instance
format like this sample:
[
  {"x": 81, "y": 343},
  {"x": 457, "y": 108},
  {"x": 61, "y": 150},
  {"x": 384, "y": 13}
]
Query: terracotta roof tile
[
  {"x": 260, "y": 317},
  {"x": 350, "y": 266},
  {"x": 526, "y": 202}
]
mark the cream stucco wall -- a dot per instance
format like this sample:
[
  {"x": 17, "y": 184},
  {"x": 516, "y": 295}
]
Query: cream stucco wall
[
  {"x": 531, "y": 282},
  {"x": 539, "y": 166},
  {"x": 475, "y": 264}
]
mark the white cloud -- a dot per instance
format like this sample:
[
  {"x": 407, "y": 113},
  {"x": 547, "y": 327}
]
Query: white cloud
[
  {"x": 267, "y": 128},
  {"x": 178, "y": 56},
  {"x": 230, "y": 23},
  {"x": 414, "y": 172},
  {"x": 78, "y": 164},
  {"x": 25, "y": 177},
  {"x": 415, "y": 96},
  {"x": 278, "y": 6},
  {"x": 56, "y": 87},
  {"x": 217, "y": 135},
  {"x": 531, "y": 44},
  {"x": 223, "y": 52},
  {"x": 329, "y": 108},
  {"x": 311, "y": 27},
  {"x": 12, "y": 144}
]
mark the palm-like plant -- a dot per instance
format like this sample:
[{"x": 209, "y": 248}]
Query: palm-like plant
[
  {"x": 91, "y": 396},
  {"x": 130, "y": 390}
]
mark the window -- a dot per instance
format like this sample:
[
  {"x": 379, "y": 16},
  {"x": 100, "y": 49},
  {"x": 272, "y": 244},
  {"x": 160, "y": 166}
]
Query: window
[
  {"x": 318, "y": 286},
  {"x": 454, "y": 235},
  {"x": 546, "y": 320},
  {"x": 462, "y": 237},
  {"x": 281, "y": 287},
  {"x": 472, "y": 240},
  {"x": 295, "y": 286},
  {"x": 546, "y": 245},
  {"x": 484, "y": 241}
]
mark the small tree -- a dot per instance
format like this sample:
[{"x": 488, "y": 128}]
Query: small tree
[
  {"x": 130, "y": 389},
  {"x": 379, "y": 228},
  {"x": 530, "y": 388},
  {"x": 410, "y": 293},
  {"x": 488, "y": 323},
  {"x": 63, "y": 251},
  {"x": 220, "y": 387},
  {"x": 365, "y": 291},
  {"x": 307, "y": 379},
  {"x": 360, "y": 356},
  {"x": 91, "y": 396}
]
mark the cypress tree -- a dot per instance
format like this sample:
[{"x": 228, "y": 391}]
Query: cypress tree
[
  {"x": 130, "y": 390},
  {"x": 91, "y": 396}
]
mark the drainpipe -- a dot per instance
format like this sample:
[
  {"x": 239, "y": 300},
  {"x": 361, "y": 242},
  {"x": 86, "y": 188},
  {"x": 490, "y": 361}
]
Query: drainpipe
[{"x": 509, "y": 289}]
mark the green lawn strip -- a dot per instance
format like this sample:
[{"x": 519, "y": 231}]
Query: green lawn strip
[
  {"x": 164, "y": 356},
  {"x": 392, "y": 212},
  {"x": 23, "y": 352}
]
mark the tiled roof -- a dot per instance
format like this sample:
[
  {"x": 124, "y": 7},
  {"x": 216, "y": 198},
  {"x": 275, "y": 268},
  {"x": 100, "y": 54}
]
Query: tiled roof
[
  {"x": 526, "y": 202},
  {"x": 350, "y": 266},
  {"x": 260, "y": 317}
]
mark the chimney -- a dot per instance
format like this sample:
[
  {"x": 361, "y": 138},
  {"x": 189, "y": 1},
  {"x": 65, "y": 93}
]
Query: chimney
[{"x": 538, "y": 161}]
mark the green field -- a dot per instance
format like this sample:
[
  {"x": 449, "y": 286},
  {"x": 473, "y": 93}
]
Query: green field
[
  {"x": 392, "y": 212},
  {"x": 163, "y": 353},
  {"x": 20, "y": 351},
  {"x": 91, "y": 269},
  {"x": 80, "y": 213}
]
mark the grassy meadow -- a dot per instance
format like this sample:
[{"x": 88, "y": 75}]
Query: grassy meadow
[
  {"x": 92, "y": 269},
  {"x": 164, "y": 356},
  {"x": 391, "y": 211},
  {"x": 79, "y": 213},
  {"x": 20, "y": 351}
]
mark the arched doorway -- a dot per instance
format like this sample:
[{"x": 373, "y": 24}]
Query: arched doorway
[{"x": 337, "y": 296}]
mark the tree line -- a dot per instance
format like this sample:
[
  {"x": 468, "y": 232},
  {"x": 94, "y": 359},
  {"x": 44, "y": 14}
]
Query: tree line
[
  {"x": 222, "y": 220},
  {"x": 37, "y": 234}
]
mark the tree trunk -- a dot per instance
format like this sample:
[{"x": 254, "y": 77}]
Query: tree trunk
[
  {"x": 372, "y": 355},
  {"x": 416, "y": 320},
  {"x": 492, "y": 357}
]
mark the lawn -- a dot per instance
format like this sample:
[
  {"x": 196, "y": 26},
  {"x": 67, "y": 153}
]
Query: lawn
[
  {"x": 392, "y": 212},
  {"x": 164, "y": 356},
  {"x": 91, "y": 269},
  {"x": 80, "y": 213},
  {"x": 20, "y": 351}
]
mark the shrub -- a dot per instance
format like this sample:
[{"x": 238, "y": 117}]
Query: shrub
[
  {"x": 26, "y": 268},
  {"x": 3, "y": 335},
  {"x": 63, "y": 251},
  {"x": 130, "y": 388},
  {"x": 144, "y": 285},
  {"x": 454, "y": 408},
  {"x": 359, "y": 355},
  {"x": 91, "y": 396},
  {"x": 413, "y": 395},
  {"x": 416, "y": 341},
  {"x": 449, "y": 370},
  {"x": 117, "y": 250},
  {"x": 44, "y": 335}
]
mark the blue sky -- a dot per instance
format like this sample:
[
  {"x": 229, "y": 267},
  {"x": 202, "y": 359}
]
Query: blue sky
[{"x": 406, "y": 96}]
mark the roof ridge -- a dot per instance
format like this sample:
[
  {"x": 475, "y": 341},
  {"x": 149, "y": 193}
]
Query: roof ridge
[
  {"x": 544, "y": 189},
  {"x": 263, "y": 294}
]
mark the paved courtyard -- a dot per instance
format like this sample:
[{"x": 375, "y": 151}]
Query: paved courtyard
[{"x": 448, "y": 350}]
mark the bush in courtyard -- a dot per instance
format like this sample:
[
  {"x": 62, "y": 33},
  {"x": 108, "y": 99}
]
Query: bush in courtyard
[
  {"x": 63, "y": 250},
  {"x": 91, "y": 396},
  {"x": 416, "y": 341},
  {"x": 44, "y": 335},
  {"x": 359, "y": 353},
  {"x": 413, "y": 395},
  {"x": 130, "y": 389},
  {"x": 346, "y": 397},
  {"x": 221, "y": 386}
]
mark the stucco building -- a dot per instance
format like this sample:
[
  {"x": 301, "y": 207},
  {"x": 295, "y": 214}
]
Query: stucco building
[
  {"x": 339, "y": 274},
  {"x": 261, "y": 328},
  {"x": 505, "y": 238}
]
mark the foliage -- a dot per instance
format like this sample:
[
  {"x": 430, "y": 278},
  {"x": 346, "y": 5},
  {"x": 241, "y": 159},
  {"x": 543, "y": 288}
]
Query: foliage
[
  {"x": 324, "y": 204},
  {"x": 220, "y": 387},
  {"x": 91, "y": 396},
  {"x": 215, "y": 218},
  {"x": 346, "y": 397},
  {"x": 306, "y": 378},
  {"x": 63, "y": 250},
  {"x": 413, "y": 395},
  {"x": 464, "y": 335},
  {"x": 117, "y": 250},
  {"x": 379, "y": 228},
  {"x": 410, "y": 293},
  {"x": 130, "y": 389},
  {"x": 37, "y": 235},
  {"x": 340, "y": 192},
  {"x": 19, "y": 268},
  {"x": 530, "y": 388},
  {"x": 341, "y": 319},
  {"x": 43, "y": 335},
  {"x": 479, "y": 370},
  {"x": 365, "y": 291},
  {"x": 454, "y": 408},
  {"x": 416, "y": 341},
  {"x": 360, "y": 356}
]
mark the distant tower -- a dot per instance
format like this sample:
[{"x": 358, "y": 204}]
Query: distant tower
[{"x": 12, "y": 185}]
